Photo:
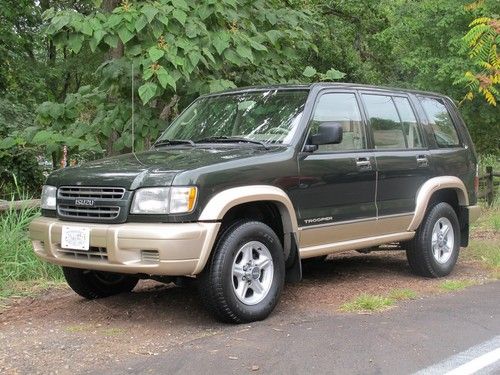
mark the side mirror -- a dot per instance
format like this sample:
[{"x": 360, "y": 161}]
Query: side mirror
[{"x": 328, "y": 133}]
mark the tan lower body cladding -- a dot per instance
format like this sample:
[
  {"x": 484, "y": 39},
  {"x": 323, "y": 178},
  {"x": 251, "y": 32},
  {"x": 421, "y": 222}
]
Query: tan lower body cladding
[
  {"x": 350, "y": 235},
  {"x": 149, "y": 248}
]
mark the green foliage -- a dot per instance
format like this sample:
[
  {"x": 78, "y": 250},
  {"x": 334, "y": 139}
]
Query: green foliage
[
  {"x": 482, "y": 40},
  {"x": 176, "y": 49},
  {"x": 18, "y": 163},
  {"x": 84, "y": 62},
  {"x": 426, "y": 52}
]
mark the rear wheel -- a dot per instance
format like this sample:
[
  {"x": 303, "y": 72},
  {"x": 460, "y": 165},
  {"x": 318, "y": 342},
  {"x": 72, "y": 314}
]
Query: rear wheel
[
  {"x": 434, "y": 250},
  {"x": 244, "y": 280},
  {"x": 98, "y": 284}
]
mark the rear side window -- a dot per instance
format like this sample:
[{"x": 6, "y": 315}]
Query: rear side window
[
  {"x": 387, "y": 128},
  {"x": 441, "y": 122}
]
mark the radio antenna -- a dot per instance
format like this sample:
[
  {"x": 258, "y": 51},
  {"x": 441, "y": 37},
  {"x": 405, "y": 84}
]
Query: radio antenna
[{"x": 133, "y": 110}]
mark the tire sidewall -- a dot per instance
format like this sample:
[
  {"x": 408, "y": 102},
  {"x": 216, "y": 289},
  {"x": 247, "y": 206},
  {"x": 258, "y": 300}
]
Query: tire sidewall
[
  {"x": 437, "y": 212},
  {"x": 228, "y": 248}
]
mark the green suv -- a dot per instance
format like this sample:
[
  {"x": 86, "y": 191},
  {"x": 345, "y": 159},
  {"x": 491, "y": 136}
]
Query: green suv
[{"x": 244, "y": 184}]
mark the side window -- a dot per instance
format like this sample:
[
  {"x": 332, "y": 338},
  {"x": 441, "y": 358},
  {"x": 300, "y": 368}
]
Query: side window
[
  {"x": 342, "y": 108},
  {"x": 384, "y": 120},
  {"x": 409, "y": 121},
  {"x": 441, "y": 122}
]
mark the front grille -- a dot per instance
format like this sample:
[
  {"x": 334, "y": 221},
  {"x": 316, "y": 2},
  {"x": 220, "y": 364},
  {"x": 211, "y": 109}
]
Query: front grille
[
  {"x": 99, "y": 212},
  {"x": 86, "y": 192},
  {"x": 94, "y": 253},
  {"x": 93, "y": 204}
]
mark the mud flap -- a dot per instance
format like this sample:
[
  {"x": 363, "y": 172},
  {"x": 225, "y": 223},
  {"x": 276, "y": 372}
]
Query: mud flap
[
  {"x": 293, "y": 266},
  {"x": 463, "y": 220}
]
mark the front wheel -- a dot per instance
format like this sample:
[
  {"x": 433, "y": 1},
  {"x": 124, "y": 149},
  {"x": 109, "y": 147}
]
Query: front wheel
[
  {"x": 244, "y": 279},
  {"x": 98, "y": 284},
  {"x": 434, "y": 250}
]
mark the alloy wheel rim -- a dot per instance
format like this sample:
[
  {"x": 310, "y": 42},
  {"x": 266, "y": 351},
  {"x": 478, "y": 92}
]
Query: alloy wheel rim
[
  {"x": 252, "y": 273},
  {"x": 443, "y": 240}
]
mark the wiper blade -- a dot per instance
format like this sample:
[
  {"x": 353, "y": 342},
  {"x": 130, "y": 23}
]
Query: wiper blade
[
  {"x": 172, "y": 142},
  {"x": 225, "y": 139}
]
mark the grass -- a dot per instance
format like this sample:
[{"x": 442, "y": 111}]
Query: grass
[
  {"x": 371, "y": 302},
  {"x": 487, "y": 252},
  {"x": 402, "y": 294},
  {"x": 495, "y": 220},
  {"x": 489, "y": 219},
  {"x": 456, "y": 285},
  {"x": 367, "y": 302},
  {"x": 484, "y": 245},
  {"x": 20, "y": 269}
]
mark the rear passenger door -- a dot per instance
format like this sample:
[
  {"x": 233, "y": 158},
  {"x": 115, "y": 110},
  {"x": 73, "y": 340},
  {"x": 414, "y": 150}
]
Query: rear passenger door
[{"x": 401, "y": 156}]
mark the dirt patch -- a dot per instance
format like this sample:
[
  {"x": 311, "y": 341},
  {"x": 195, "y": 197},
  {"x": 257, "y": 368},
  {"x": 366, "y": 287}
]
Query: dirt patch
[{"x": 61, "y": 332}]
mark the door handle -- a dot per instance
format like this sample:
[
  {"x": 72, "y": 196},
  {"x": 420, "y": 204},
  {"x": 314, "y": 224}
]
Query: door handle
[
  {"x": 364, "y": 163},
  {"x": 422, "y": 161}
]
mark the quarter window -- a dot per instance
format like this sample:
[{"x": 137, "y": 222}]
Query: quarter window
[
  {"x": 441, "y": 122},
  {"x": 342, "y": 108},
  {"x": 385, "y": 123}
]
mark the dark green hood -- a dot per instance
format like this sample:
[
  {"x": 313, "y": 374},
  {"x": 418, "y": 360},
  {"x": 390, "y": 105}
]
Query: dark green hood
[{"x": 149, "y": 168}]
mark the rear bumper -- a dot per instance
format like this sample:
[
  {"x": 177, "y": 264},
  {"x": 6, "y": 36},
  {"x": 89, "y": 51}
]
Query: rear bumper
[
  {"x": 135, "y": 248},
  {"x": 474, "y": 213}
]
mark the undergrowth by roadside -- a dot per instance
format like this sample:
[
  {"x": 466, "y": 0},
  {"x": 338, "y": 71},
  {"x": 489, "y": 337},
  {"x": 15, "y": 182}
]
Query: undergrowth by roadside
[
  {"x": 456, "y": 285},
  {"x": 484, "y": 245},
  {"x": 20, "y": 270},
  {"x": 372, "y": 303}
]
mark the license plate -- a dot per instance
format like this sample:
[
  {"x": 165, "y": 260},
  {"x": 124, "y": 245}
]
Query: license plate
[{"x": 75, "y": 238}]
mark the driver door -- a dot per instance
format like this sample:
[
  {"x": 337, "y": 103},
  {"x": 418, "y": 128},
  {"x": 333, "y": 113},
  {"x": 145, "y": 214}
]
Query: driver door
[{"x": 337, "y": 181}]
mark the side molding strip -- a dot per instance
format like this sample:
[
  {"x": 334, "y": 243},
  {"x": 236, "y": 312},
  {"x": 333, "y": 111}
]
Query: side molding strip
[
  {"x": 325, "y": 249},
  {"x": 428, "y": 188}
]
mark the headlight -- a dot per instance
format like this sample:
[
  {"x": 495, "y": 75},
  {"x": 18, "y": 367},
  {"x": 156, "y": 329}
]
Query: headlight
[
  {"x": 49, "y": 197},
  {"x": 164, "y": 200}
]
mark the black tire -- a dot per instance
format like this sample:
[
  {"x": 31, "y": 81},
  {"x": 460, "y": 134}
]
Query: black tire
[
  {"x": 216, "y": 281},
  {"x": 419, "y": 251},
  {"x": 97, "y": 284}
]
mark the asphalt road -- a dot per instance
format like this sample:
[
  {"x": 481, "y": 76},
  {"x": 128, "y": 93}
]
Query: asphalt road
[{"x": 415, "y": 336}]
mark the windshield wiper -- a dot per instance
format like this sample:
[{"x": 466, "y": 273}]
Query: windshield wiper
[
  {"x": 173, "y": 142},
  {"x": 225, "y": 139}
]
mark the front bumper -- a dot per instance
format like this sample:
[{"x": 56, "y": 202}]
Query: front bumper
[{"x": 134, "y": 248}]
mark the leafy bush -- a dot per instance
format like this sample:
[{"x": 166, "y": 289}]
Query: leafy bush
[{"x": 18, "y": 163}]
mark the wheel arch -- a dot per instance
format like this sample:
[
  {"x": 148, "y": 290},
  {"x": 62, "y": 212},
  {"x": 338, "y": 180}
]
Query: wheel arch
[
  {"x": 221, "y": 203},
  {"x": 229, "y": 201},
  {"x": 438, "y": 187}
]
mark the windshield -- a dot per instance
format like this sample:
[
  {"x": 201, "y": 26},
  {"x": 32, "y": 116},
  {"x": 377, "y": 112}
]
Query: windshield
[{"x": 264, "y": 116}]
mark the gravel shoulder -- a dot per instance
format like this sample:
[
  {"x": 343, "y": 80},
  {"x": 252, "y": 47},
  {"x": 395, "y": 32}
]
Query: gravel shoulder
[{"x": 59, "y": 332}]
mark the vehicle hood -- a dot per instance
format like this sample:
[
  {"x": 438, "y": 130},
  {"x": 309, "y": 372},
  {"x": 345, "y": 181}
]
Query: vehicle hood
[{"x": 150, "y": 168}]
